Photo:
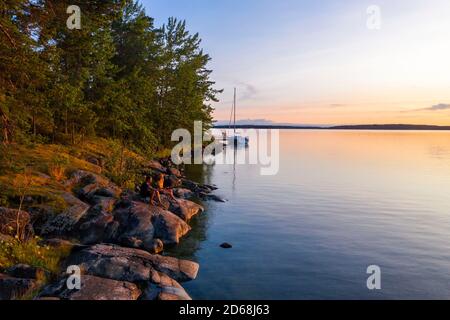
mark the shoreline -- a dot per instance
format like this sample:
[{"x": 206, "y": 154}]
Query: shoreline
[
  {"x": 375, "y": 127},
  {"x": 115, "y": 238}
]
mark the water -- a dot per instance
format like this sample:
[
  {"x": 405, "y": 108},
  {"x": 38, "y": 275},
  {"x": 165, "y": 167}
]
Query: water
[{"x": 343, "y": 200}]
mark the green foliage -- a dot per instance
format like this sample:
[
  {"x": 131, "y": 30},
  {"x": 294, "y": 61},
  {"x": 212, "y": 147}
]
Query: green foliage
[
  {"x": 118, "y": 77},
  {"x": 31, "y": 252}
]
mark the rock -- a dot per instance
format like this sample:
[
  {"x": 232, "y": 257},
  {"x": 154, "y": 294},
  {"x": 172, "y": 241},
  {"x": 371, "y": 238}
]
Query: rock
[
  {"x": 64, "y": 223},
  {"x": 131, "y": 242},
  {"x": 173, "y": 181},
  {"x": 92, "y": 192},
  {"x": 175, "y": 172},
  {"x": 60, "y": 244},
  {"x": 183, "y": 193},
  {"x": 93, "y": 288},
  {"x": 155, "y": 165},
  {"x": 146, "y": 222},
  {"x": 25, "y": 271},
  {"x": 103, "y": 228},
  {"x": 95, "y": 161},
  {"x": 184, "y": 209},
  {"x": 104, "y": 203},
  {"x": 212, "y": 197},
  {"x": 226, "y": 245},
  {"x": 211, "y": 187},
  {"x": 88, "y": 185},
  {"x": 132, "y": 265},
  {"x": 163, "y": 287},
  {"x": 173, "y": 294},
  {"x": 191, "y": 185},
  {"x": 12, "y": 288},
  {"x": 158, "y": 246},
  {"x": 9, "y": 219}
]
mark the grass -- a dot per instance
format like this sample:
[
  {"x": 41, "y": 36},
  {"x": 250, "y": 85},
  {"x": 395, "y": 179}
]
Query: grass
[
  {"x": 32, "y": 253},
  {"x": 50, "y": 165}
]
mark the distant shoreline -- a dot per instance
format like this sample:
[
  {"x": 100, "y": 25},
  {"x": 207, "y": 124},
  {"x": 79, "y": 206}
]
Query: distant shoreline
[{"x": 399, "y": 127}]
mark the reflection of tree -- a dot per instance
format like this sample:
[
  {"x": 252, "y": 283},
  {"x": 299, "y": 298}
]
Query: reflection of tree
[{"x": 191, "y": 243}]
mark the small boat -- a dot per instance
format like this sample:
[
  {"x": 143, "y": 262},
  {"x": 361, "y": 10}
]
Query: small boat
[{"x": 236, "y": 139}]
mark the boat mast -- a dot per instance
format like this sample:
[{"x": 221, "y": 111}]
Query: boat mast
[{"x": 234, "y": 107}]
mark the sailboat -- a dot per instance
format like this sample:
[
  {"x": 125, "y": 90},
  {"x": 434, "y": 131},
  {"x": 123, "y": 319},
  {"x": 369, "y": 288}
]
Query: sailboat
[{"x": 236, "y": 138}]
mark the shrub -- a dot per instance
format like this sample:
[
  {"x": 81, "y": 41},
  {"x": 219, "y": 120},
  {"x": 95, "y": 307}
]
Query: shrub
[
  {"x": 32, "y": 253},
  {"x": 57, "y": 166}
]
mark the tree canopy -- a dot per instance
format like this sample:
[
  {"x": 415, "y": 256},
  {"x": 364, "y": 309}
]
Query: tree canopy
[{"x": 117, "y": 76}]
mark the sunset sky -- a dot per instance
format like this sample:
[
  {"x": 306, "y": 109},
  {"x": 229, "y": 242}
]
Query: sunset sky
[{"x": 317, "y": 62}]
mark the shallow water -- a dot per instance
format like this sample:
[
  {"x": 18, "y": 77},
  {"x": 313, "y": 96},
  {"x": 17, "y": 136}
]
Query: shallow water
[{"x": 342, "y": 200}]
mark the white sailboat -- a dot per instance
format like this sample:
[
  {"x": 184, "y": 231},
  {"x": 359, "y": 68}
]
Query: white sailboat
[{"x": 236, "y": 138}]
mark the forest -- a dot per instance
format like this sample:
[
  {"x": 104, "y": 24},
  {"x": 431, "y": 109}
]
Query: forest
[{"x": 118, "y": 77}]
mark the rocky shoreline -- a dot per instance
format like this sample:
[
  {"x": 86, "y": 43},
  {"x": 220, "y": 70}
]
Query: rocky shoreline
[{"x": 114, "y": 236}]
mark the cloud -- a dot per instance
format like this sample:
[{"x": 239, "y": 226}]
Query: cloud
[
  {"x": 245, "y": 91},
  {"x": 437, "y": 107},
  {"x": 249, "y": 92},
  {"x": 337, "y": 105}
]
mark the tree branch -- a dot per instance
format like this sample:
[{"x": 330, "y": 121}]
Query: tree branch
[{"x": 8, "y": 36}]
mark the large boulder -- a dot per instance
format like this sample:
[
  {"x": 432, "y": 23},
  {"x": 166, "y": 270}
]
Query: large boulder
[
  {"x": 88, "y": 185},
  {"x": 132, "y": 265},
  {"x": 10, "y": 219},
  {"x": 25, "y": 271},
  {"x": 93, "y": 288},
  {"x": 155, "y": 165},
  {"x": 162, "y": 287},
  {"x": 64, "y": 223},
  {"x": 183, "y": 193},
  {"x": 183, "y": 208},
  {"x": 102, "y": 228},
  {"x": 174, "y": 172},
  {"x": 12, "y": 288},
  {"x": 145, "y": 222}
]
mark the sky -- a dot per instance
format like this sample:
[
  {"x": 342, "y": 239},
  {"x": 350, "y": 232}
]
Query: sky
[{"x": 324, "y": 62}]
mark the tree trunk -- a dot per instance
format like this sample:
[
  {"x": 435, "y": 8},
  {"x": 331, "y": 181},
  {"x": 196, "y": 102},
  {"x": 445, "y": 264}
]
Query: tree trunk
[
  {"x": 34, "y": 123},
  {"x": 73, "y": 133},
  {"x": 66, "y": 123},
  {"x": 5, "y": 127}
]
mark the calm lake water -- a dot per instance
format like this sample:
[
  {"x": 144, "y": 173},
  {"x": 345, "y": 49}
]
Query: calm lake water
[{"x": 343, "y": 200}]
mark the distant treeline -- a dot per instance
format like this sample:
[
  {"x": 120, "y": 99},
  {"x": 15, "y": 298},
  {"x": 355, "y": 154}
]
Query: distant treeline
[
  {"x": 118, "y": 76},
  {"x": 348, "y": 127}
]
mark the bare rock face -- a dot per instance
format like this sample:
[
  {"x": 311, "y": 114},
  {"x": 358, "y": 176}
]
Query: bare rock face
[
  {"x": 145, "y": 222},
  {"x": 26, "y": 272},
  {"x": 10, "y": 218},
  {"x": 12, "y": 288},
  {"x": 132, "y": 265},
  {"x": 102, "y": 228},
  {"x": 88, "y": 185},
  {"x": 174, "y": 172},
  {"x": 64, "y": 223},
  {"x": 93, "y": 288},
  {"x": 183, "y": 193},
  {"x": 163, "y": 287},
  {"x": 184, "y": 209},
  {"x": 155, "y": 165}
]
